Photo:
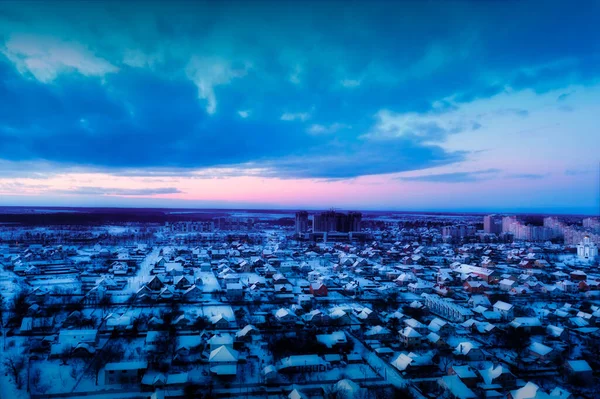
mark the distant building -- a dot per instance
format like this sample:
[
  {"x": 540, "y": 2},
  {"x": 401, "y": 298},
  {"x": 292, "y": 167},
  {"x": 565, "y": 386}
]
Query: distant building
[
  {"x": 509, "y": 224},
  {"x": 492, "y": 224},
  {"x": 190, "y": 227},
  {"x": 592, "y": 223},
  {"x": 587, "y": 250},
  {"x": 528, "y": 232},
  {"x": 234, "y": 223},
  {"x": 458, "y": 231},
  {"x": 573, "y": 235},
  {"x": 301, "y": 222},
  {"x": 332, "y": 221},
  {"x": 557, "y": 226}
]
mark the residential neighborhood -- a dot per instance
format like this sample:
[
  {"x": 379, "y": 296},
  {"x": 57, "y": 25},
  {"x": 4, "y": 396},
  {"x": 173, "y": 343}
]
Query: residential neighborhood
[{"x": 274, "y": 309}]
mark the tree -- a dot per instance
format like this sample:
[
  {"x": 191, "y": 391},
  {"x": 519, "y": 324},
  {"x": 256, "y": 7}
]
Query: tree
[
  {"x": 110, "y": 353},
  {"x": 65, "y": 354},
  {"x": 19, "y": 305},
  {"x": 14, "y": 367},
  {"x": 36, "y": 382},
  {"x": 1, "y": 310},
  {"x": 200, "y": 323}
]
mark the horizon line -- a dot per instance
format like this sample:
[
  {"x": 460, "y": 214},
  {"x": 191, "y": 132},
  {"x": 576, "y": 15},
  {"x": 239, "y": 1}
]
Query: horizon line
[{"x": 540, "y": 212}]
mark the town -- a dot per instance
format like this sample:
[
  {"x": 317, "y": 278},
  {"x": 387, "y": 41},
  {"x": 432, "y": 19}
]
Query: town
[{"x": 301, "y": 304}]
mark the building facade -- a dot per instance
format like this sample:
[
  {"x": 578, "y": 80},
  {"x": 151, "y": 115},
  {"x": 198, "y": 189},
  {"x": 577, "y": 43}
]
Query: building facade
[
  {"x": 492, "y": 224},
  {"x": 587, "y": 250},
  {"x": 301, "y": 223},
  {"x": 332, "y": 221}
]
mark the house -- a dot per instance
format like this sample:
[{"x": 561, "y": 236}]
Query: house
[
  {"x": 506, "y": 284},
  {"x": 465, "y": 373},
  {"x": 124, "y": 372},
  {"x": 439, "y": 326},
  {"x": 223, "y": 361},
  {"x": 318, "y": 289},
  {"x": 540, "y": 351},
  {"x": 192, "y": 294},
  {"x": 379, "y": 333},
  {"x": 505, "y": 309},
  {"x": 498, "y": 375},
  {"x": 182, "y": 283},
  {"x": 339, "y": 317},
  {"x": 474, "y": 287},
  {"x": 219, "y": 322},
  {"x": 234, "y": 291},
  {"x": 408, "y": 362},
  {"x": 302, "y": 364},
  {"x": 410, "y": 337},
  {"x": 367, "y": 315},
  {"x": 218, "y": 340},
  {"x": 555, "y": 332},
  {"x": 579, "y": 369},
  {"x": 70, "y": 339},
  {"x": 284, "y": 315},
  {"x": 420, "y": 287},
  {"x": 528, "y": 324},
  {"x": 187, "y": 348},
  {"x": 248, "y": 333},
  {"x": 532, "y": 391},
  {"x": 469, "y": 350}
]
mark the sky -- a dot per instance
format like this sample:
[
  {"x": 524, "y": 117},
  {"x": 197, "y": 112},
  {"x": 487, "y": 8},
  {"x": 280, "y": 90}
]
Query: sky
[{"x": 416, "y": 105}]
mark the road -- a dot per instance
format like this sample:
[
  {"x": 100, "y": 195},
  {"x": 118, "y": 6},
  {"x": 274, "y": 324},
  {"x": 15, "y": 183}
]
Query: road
[{"x": 146, "y": 266}]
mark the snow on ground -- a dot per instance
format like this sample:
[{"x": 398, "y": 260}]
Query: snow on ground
[
  {"x": 54, "y": 376},
  {"x": 209, "y": 282},
  {"x": 215, "y": 310},
  {"x": 134, "y": 283},
  {"x": 11, "y": 347}
]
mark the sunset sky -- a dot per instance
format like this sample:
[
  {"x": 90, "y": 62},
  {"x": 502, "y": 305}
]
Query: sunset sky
[{"x": 482, "y": 105}]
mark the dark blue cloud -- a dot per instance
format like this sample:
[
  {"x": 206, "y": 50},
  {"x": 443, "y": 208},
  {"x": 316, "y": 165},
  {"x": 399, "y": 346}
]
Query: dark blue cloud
[{"x": 152, "y": 86}]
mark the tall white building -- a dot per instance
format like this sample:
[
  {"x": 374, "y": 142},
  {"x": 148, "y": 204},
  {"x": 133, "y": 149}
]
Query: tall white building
[{"x": 587, "y": 250}]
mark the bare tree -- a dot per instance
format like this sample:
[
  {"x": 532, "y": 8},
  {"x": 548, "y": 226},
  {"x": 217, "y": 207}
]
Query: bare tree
[
  {"x": 36, "y": 382},
  {"x": 14, "y": 367}
]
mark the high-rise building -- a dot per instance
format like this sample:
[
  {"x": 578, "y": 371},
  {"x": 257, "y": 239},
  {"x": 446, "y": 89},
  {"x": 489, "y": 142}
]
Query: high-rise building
[
  {"x": 509, "y": 224},
  {"x": 591, "y": 223},
  {"x": 492, "y": 224},
  {"x": 336, "y": 221},
  {"x": 458, "y": 231},
  {"x": 301, "y": 222},
  {"x": 554, "y": 224}
]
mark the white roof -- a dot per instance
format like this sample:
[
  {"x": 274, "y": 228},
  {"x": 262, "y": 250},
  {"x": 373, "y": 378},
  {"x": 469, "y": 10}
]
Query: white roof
[
  {"x": 540, "y": 348},
  {"x": 579, "y": 365},
  {"x": 301, "y": 360},
  {"x": 223, "y": 354},
  {"x": 464, "y": 348},
  {"x": 503, "y": 305}
]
